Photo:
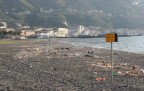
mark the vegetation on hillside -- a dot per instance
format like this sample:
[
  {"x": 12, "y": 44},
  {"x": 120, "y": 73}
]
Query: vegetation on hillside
[{"x": 101, "y": 13}]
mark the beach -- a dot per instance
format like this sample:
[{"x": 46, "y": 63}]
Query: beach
[{"x": 43, "y": 65}]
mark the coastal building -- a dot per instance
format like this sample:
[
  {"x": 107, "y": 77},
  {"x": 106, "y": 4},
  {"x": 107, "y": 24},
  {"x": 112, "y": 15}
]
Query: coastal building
[
  {"x": 46, "y": 10},
  {"x": 45, "y": 33},
  {"x": 10, "y": 30},
  {"x": 73, "y": 31},
  {"x": 24, "y": 12},
  {"x": 38, "y": 29},
  {"x": 51, "y": 33},
  {"x": 3, "y": 25},
  {"x": 62, "y": 32},
  {"x": 18, "y": 24},
  {"x": 27, "y": 32},
  {"x": 81, "y": 29},
  {"x": 25, "y": 27},
  {"x": 5, "y": 31}
]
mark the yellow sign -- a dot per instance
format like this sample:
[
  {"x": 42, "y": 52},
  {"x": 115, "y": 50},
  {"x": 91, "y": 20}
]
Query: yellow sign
[{"x": 112, "y": 37}]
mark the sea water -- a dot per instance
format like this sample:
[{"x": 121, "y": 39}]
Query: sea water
[{"x": 134, "y": 44}]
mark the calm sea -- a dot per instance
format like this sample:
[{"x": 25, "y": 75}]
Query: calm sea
[{"x": 133, "y": 44}]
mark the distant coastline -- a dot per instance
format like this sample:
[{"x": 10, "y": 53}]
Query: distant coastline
[{"x": 100, "y": 36}]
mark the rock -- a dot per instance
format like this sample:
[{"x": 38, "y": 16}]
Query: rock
[
  {"x": 142, "y": 70},
  {"x": 124, "y": 64},
  {"x": 55, "y": 69},
  {"x": 120, "y": 73},
  {"x": 88, "y": 55}
]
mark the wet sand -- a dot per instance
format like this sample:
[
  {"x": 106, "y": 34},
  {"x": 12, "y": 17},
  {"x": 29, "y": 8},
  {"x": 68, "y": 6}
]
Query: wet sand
[{"x": 40, "y": 65}]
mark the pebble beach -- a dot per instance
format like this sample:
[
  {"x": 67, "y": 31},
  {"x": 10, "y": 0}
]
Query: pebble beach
[{"x": 43, "y": 65}]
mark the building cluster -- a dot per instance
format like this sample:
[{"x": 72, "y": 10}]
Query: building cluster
[
  {"x": 84, "y": 31},
  {"x": 44, "y": 32},
  {"x": 51, "y": 10},
  {"x": 3, "y": 27},
  {"x": 79, "y": 31},
  {"x": 26, "y": 31},
  {"x": 51, "y": 32}
]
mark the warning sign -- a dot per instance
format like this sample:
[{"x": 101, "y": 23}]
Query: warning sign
[{"x": 111, "y": 37}]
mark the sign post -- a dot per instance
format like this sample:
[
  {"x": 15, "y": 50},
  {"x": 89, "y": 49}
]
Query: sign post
[{"x": 111, "y": 37}]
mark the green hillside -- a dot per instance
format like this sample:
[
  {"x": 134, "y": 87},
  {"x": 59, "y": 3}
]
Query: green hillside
[
  {"x": 103, "y": 13},
  {"x": 26, "y": 3}
]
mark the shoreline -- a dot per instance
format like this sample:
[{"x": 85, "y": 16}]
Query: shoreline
[
  {"x": 103, "y": 48},
  {"x": 122, "y": 45}
]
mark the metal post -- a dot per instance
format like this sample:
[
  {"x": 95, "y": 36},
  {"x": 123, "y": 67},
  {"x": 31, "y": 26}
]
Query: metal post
[{"x": 111, "y": 63}]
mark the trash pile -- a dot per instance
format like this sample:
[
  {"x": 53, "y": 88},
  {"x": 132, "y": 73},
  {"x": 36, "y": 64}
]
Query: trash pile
[
  {"x": 121, "y": 69},
  {"x": 136, "y": 71},
  {"x": 29, "y": 53}
]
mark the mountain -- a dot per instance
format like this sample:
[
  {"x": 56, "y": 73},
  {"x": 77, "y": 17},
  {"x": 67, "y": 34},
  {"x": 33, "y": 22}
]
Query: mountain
[{"x": 103, "y": 13}]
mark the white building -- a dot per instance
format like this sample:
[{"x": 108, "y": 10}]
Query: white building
[
  {"x": 27, "y": 32},
  {"x": 45, "y": 33},
  {"x": 3, "y": 25},
  {"x": 62, "y": 32},
  {"x": 46, "y": 10},
  {"x": 80, "y": 29}
]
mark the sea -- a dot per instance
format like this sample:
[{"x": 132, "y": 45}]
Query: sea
[{"x": 133, "y": 44}]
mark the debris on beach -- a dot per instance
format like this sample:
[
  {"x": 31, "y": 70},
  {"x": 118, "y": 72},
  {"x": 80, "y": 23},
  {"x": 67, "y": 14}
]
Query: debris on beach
[
  {"x": 27, "y": 54},
  {"x": 23, "y": 54},
  {"x": 135, "y": 71},
  {"x": 88, "y": 55},
  {"x": 100, "y": 79},
  {"x": 54, "y": 67},
  {"x": 120, "y": 73}
]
